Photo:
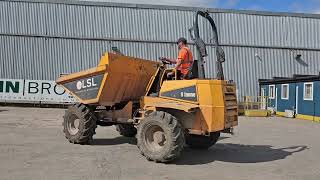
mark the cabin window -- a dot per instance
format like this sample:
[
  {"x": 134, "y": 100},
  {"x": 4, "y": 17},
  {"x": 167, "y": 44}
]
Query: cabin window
[
  {"x": 272, "y": 91},
  {"x": 285, "y": 91},
  {"x": 308, "y": 91}
]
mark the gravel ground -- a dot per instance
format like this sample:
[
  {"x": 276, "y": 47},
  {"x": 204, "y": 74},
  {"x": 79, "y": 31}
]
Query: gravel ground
[{"x": 32, "y": 146}]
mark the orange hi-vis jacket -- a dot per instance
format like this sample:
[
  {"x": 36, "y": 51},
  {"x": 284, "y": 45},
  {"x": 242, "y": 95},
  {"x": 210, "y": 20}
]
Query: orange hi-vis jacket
[{"x": 186, "y": 58}]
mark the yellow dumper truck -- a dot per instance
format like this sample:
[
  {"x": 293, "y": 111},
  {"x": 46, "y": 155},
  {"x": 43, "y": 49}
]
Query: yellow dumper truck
[{"x": 163, "y": 113}]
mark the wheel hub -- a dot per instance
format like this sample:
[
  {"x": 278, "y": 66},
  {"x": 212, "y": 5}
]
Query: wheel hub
[
  {"x": 159, "y": 137},
  {"x": 73, "y": 125},
  {"x": 155, "y": 138}
]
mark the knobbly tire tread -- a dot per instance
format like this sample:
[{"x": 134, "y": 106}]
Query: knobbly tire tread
[
  {"x": 202, "y": 142},
  {"x": 87, "y": 122},
  {"x": 127, "y": 130},
  {"x": 172, "y": 128}
]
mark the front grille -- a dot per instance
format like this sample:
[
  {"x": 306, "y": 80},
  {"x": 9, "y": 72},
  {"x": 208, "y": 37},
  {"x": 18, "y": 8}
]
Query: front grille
[{"x": 231, "y": 105}]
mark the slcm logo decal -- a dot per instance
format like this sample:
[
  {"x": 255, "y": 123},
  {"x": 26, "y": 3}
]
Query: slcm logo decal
[
  {"x": 83, "y": 84},
  {"x": 188, "y": 95}
]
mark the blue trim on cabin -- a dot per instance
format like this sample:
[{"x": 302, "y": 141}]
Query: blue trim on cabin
[
  {"x": 272, "y": 102},
  {"x": 316, "y": 94},
  {"x": 304, "y": 107},
  {"x": 286, "y": 104},
  {"x": 309, "y": 107}
]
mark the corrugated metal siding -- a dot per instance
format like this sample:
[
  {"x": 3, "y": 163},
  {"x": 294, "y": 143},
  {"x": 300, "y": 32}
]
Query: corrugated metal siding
[
  {"x": 41, "y": 58},
  {"x": 154, "y": 24},
  {"x": 46, "y": 58}
]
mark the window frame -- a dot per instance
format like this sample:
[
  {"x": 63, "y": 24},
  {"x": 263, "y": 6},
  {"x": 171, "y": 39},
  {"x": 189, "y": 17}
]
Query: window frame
[
  {"x": 304, "y": 91},
  {"x": 273, "y": 92},
  {"x": 288, "y": 87}
]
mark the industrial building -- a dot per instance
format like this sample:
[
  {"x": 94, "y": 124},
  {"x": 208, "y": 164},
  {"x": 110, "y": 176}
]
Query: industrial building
[
  {"x": 39, "y": 40},
  {"x": 298, "y": 96}
]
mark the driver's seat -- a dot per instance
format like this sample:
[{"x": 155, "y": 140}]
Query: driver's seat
[{"x": 193, "y": 71}]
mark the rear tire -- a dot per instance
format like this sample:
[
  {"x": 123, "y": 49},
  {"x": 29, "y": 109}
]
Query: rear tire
[
  {"x": 127, "y": 130},
  {"x": 79, "y": 124},
  {"x": 160, "y": 137},
  {"x": 202, "y": 142}
]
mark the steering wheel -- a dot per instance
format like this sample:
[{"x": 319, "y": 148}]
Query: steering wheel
[{"x": 164, "y": 62}]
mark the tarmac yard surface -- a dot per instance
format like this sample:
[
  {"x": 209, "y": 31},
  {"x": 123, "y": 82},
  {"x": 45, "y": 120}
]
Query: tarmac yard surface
[{"x": 32, "y": 147}]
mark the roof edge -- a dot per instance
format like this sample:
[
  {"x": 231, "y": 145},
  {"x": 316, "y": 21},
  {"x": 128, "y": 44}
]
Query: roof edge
[
  {"x": 181, "y": 8},
  {"x": 294, "y": 79}
]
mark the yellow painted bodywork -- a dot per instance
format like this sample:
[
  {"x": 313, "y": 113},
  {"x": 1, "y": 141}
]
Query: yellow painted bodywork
[
  {"x": 152, "y": 103},
  {"x": 125, "y": 79},
  {"x": 215, "y": 108}
]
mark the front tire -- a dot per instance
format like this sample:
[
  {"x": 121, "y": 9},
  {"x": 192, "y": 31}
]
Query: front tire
[
  {"x": 160, "y": 137},
  {"x": 79, "y": 124},
  {"x": 202, "y": 142}
]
